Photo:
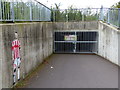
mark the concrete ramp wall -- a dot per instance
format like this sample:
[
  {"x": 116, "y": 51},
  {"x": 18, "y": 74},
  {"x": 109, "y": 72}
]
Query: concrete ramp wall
[
  {"x": 85, "y": 25},
  {"x": 1, "y": 54},
  {"x": 109, "y": 42},
  {"x": 36, "y": 45}
]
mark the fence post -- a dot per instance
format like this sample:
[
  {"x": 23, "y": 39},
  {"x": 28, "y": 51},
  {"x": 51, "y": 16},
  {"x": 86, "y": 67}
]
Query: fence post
[
  {"x": 67, "y": 16},
  {"x": 101, "y": 14},
  {"x": 108, "y": 18},
  {"x": 119, "y": 18},
  {"x": 30, "y": 10},
  {"x": 12, "y": 11},
  {"x": 0, "y": 10},
  {"x": 54, "y": 15},
  {"x": 82, "y": 14}
]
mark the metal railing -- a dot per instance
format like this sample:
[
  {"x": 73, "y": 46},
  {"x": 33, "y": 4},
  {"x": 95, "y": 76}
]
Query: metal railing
[
  {"x": 32, "y": 10},
  {"x": 83, "y": 14},
  {"x": 23, "y": 10},
  {"x": 108, "y": 15}
]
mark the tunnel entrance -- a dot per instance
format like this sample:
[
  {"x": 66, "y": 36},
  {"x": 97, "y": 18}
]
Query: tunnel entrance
[{"x": 79, "y": 41}]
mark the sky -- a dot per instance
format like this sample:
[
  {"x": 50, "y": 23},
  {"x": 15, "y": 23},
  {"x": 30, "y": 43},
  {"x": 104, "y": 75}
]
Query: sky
[{"x": 64, "y": 4}]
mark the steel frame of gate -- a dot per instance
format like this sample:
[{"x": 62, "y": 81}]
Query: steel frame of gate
[{"x": 75, "y": 42}]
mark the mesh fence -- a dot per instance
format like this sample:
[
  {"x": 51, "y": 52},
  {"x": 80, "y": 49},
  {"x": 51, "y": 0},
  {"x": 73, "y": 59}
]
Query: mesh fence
[
  {"x": 31, "y": 10},
  {"x": 108, "y": 15},
  {"x": 111, "y": 16},
  {"x": 84, "y": 14},
  {"x": 23, "y": 10}
]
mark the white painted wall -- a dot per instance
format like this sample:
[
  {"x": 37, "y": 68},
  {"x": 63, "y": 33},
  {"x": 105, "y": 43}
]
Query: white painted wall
[{"x": 108, "y": 42}]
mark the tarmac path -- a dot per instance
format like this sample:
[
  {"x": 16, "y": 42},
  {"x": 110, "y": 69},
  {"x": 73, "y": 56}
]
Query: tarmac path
[{"x": 76, "y": 71}]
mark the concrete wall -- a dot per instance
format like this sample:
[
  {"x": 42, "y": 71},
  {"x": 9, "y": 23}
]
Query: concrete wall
[
  {"x": 85, "y": 25},
  {"x": 119, "y": 52},
  {"x": 1, "y": 51},
  {"x": 109, "y": 37},
  {"x": 36, "y": 44}
]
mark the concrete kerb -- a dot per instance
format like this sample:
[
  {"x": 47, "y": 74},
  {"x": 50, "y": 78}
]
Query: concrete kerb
[{"x": 108, "y": 25}]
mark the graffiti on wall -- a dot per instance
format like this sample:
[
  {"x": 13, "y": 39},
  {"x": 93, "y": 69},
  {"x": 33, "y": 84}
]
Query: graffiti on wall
[{"x": 16, "y": 58}]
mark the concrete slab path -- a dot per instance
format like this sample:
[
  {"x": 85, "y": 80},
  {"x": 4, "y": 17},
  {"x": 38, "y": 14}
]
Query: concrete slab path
[{"x": 76, "y": 71}]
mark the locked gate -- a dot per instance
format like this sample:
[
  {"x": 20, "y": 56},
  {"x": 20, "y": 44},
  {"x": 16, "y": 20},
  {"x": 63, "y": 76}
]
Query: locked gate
[{"x": 75, "y": 41}]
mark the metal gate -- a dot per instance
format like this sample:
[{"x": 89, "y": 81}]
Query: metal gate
[{"x": 76, "y": 41}]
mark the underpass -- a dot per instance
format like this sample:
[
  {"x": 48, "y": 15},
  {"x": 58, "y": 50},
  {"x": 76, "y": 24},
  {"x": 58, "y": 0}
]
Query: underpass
[
  {"x": 77, "y": 63},
  {"x": 76, "y": 48},
  {"x": 71, "y": 69}
]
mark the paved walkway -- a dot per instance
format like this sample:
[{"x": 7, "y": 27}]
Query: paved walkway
[{"x": 76, "y": 71}]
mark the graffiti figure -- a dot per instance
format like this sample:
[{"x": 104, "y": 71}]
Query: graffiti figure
[{"x": 16, "y": 58}]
